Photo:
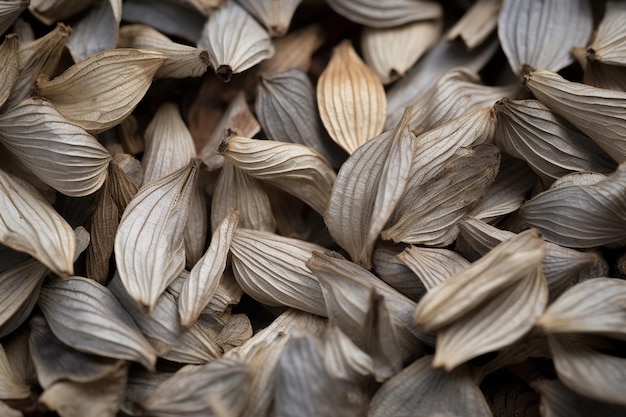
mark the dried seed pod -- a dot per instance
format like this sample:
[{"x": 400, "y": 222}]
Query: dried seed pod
[
  {"x": 97, "y": 31},
  {"x": 477, "y": 23},
  {"x": 392, "y": 13},
  {"x": 9, "y": 11},
  {"x": 529, "y": 130},
  {"x": 19, "y": 284},
  {"x": 605, "y": 124},
  {"x": 595, "y": 212},
  {"x": 53, "y": 11},
  {"x": 531, "y": 44},
  {"x": 351, "y": 99},
  {"x": 432, "y": 266},
  {"x": 395, "y": 273},
  {"x": 13, "y": 384},
  {"x": 61, "y": 153},
  {"x": 275, "y": 15},
  {"x": 391, "y": 52},
  {"x": 294, "y": 51},
  {"x": 182, "y": 60},
  {"x": 610, "y": 77},
  {"x": 234, "y": 40},
  {"x": 609, "y": 43},
  {"x": 9, "y": 66}
]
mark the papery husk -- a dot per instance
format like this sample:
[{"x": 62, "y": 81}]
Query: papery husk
[
  {"x": 140, "y": 385},
  {"x": 431, "y": 265},
  {"x": 609, "y": 43},
  {"x": 351, "y": 99},
  {"x": 594, "y": 306},
  {"x": 182, "y": 60},
  {"x": 610, "y": 77},
  {"x": 294, "y": 51},
  {"x": 235, "y": 189},
  {"x": 53, "y": 11},
  {"x": 294, "y": 168},
  {"x": 17, "y": 285},
  {"x": 275, "y": 15},
  {"x": 441, "y": 58},
  {"x": 172, "y": 17},
  {"x": 28, "y": 223},
  {"x": 205, "y": 276},
  {"x": 162, "y": 329},
  {"x": 236, "y": 332},
  {"x": 529, "y": 130},
  {"x": 272, "y": 269},
  {"x": 421, "y": 389},
  {"x": 206, "y": 7},
  {"x": 559, "y": 401},
  {"x": 456, "y": 93},
  {"x": 531, "y": 44},
  {"x": 13, "y": 384},
  {"x": 99, "y": 92},
  {"x": 9, "y": 11},
  {"x": 7, "y": 411},
  {"x": 586, "y": 370},
  {"x": 445, "y": 198},
  {"x": 96, "y": 31},
  {"x": 132, "y": 143},
  {"x": 392, "y": 13},
  {"x": 597, "y": 112},
  {"x": 9, "y": 65},
  {"x": 60, "y": 153},
  {"x": 304, "y": 386},
  {"x": 395, "y": 273},
  {"x": 149, "y": 245},
  {"x": 100, "y": 398},
  {"x": 508, "y": 191},
  {"x": 54, "y": 361},
  {"x": 560, "y": 265},
  {"x": 477, "y": 23},
  {"x": 391, "y": 52},
  {"x": 595, "y": 212},
  {"x": 37, "y": 57},
  {"x": 238, "y": 120},
  {"x": 187, "y": 391},
  {"x": 87, "y": 317},
  {"x": 234, "y": 40},
  {"x": 488, "y": 305},
  {"x": 367, "y": 189},
  {"x": 286, "y": 107},
  {"x": 344, "y": 360}
]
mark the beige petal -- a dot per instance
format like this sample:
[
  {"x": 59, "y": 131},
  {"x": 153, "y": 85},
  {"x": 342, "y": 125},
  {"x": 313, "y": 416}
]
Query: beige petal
[
  {"x": 595, "y": 213},
  {"x": 9, "y": 11},
  {"x": 234, "y": 40},
  {"x": 237, "y": 331},
  {"x": 595, "y": 306},
  {"x": 597, "y": 112},
  {"x": 99, "y": 92},
  {"x": 17, "y": 285},
  {"x": 182, "y": 60},
  {"x": 529, "y": 130},
  {"x": 294, "y": 168},
  {"x": 238, "y": 119},
  {"x": 391, "y": 13},
  {"x": 8, "y": 411},
  {"x": 477, "y": 23},
  {"x": 368, "y": 187},
  {"x": 149, "y": 248},
  {"x": 12, "y": 385},
  {"x": 87, "y": 317},
  {"x": 343, "y": 359},
  {"x": 588, "y": 372},
  {"x": 96, "y": 31},
  {"x": 274, "y": 14},
  {"x": 235, "y": 189},
  {"x": 285, "y": 105},
  {"x": 271, "y": 269},
  {"x": 391, "y": 52},
  {"x": 9, "y": 65},
  {"x": 432, "y": 266},
  {"x": 206, "y": 7},
  {"x": 609, "y": 43},
  {"x": 294, "y": 51},
  {"x": 559, "y": 401},
  {"x": 606, "y": 76},
  {"x": 205, "y": 276},
  {"x": 100, "y": 398},
  {"x": 395, "y": 273},
  {"x": 28, "y": 223},
  {"x": 421, "y": 389},
  {"x": 37, "y": 57},
  {"x": 104, "y": 222},
  {"x": 163, "y": 330},
  {"x": 446, "y": 198},
  {"x": 351, "y": 99},
  {"x": 59, "y": 152},
  {"x": 53, "y": 11},
  {"x": 187, "y": 391},
  {"x": 531, "y": 43}
]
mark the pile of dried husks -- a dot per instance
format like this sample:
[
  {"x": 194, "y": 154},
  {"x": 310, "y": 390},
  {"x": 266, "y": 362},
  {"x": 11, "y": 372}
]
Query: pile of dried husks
[{"x": 312, "y": 208}]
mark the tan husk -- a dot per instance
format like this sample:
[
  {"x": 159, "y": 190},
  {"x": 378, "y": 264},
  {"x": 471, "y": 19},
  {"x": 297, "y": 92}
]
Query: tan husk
[
  {"x": 294, "y": 51},
  {"x": 9, "y": 65},
  {"x": 274, "y": 14},
  {"x": 96, "y": 31},
  {"x": 9, "y": 11},
  {"x": 609, "y": 43},
  {"x": 391, "y": 13},
  {"x": 431, "y": 265},
  {"x": 50, "y": 11},
  {"x": 477, "y": 23}
]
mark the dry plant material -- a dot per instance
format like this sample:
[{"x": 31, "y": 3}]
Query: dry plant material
[
  {"x": 234, "y": 41},
  {"x": 351, "y": 99},
  {"x": 275, "y": 15},
  {"x": 9, "y": 64},
  {"x": 9, "y": 11},
  {"x": 477, "y": 24},
  {"x": 609, "y": 43},
  {"x": 393, "y": 13},
  {"x": 294, "y": 51},
  {"x": 97, "y": 31}
]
